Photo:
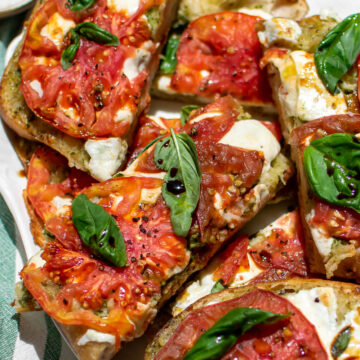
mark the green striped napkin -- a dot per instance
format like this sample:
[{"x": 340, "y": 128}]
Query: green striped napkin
[{"x": 29, "y": 336}]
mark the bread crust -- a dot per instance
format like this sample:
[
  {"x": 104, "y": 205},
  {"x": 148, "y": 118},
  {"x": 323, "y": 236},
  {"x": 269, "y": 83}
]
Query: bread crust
[
  {"x": 346, "y": 266},
  {"x": 19, "y": 117},
  {"x": 348, "y": 295}
]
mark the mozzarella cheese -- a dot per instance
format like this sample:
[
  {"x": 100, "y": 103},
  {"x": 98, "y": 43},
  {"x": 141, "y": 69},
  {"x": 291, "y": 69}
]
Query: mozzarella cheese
[
  {"x": 56, "y": 29},
  {"x": 302, "y": 93},
  {"x": 124, "y": 115},
  {"x": 253, "y": 135},
  {"x": 204, "y": 116},
  {"x": 133, "y": 66},
  {"x": 163, "y": 84},
  {"x": 96, "y": 336},
  {"x": 245, "y": 275},
  {"x": 60, "y": 203},
  {"x": 36, "y": 86},
  {"x": 323, "y": 243},
  {"x": 129, "y": 6},
  {"x": 106, "y": 156},
  {"x": 319, "y": 306},
  {"x": 280, "y": 30},
  {"x": 255, "y": 12}
]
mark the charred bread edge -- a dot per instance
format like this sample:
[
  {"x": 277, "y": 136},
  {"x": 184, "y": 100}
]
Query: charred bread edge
[
  {"x": 19, "y": 117},
  {"x": 349, "y": 293}
]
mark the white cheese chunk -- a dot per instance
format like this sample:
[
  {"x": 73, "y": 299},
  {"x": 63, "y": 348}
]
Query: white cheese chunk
[
  {"x": 124, "y": 115},
  {"x": 150, "y": 196},
  {"x": 133, "y": 66},
  {"x": 60, "y": 203},
  {"x": 319, "y": 306},
  {"x": 129, "y": 6},
  {"x": 204, "y": 116},
  {"x": 245, "y": 275},
  {"x": 57, "y": 28},
  {"x": 314, "y": 100},
  {"x": 96, "y": 336},
  {"x": 36, "y": 86},
  {"x": 253, "y": 135},
  {"x": 323, "y": 243},
  {"x": 281, "y": 30},
  {"x": 163, "y": 84},
  {"x": 255, "y": 12},
  {"x": 106, "y": 156}
]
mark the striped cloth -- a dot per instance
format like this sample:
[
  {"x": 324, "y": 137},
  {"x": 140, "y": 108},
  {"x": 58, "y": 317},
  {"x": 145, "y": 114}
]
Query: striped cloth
[{"x": 29, "y": 336}]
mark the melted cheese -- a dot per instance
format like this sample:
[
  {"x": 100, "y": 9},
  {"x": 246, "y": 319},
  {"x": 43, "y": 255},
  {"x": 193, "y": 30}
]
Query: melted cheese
[
  {"x": 36, "y": 86},
  {"x": 253, "y": 135},
  {"x": 255, "y": 12},
  {"x": 204, "y": 116},
  {"x": 60, "y": 203},
  {"x": 57, "y": 28},
  {"x": 96, "y": 336},
  {"x": 133, "y": 66},
  {"x": 323, "y": 243},
  {"x": 163, "y": 84},
  {"x": 37, "y": 260},
  {"x": 129, "y": 6},
  {"x": 319, "y": 306},
  {"x": 124, "y": 115},
  {"x": 106, "y": 156},
  {"x": 284, "y": 31},
  {"x": 150, "y": 196}
]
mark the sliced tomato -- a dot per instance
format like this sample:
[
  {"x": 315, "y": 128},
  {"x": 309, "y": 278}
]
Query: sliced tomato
[
  {"x": 284, "y": 247},
  {"x": 337, "y": 221},
  {"x": 219, "y": 54},
  {"x": 88, "y": 99},
  {"x": 232, "y": 258},
  {"x": 293, "y": 338},
  {"x": 270, "y": 275}
]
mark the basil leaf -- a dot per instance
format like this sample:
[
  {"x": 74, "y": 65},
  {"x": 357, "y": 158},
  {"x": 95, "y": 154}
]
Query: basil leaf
[
  {"x": 90, "y": 32},
  {"x": 341, "y": 342},
  {"x": 332, "y": 167},
  {"x": 78, "y": 5},
  {"x": 99, "y": 231},
  {"x": 181, "y": 189},
  {"x": 338, "y": 52},
  {"x": 69, "y": 53},
  {"x": 168, "y": 64},
  {"x": 185, "y": 113},
  {"x": 223, "y": 335},
  {"x": 218, "y": 286}
]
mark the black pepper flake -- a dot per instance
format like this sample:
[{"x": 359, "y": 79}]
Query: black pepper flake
[
  {"x": 193, "y": 132},
  {"x": 143, "y": 246},
  {"x": 317, "y": 300},
  {"x": 143, "y": 230},
  {"x": 65, "y": 302},
  {"x": 135, "y": 219},
  {"x": 133, "y": 259},
  {"x": 141, "y": 256},
  {"x": 157, "y": 264},
  {"x": 148, "y": 233},
  {"x": 96, "y": 66},
  {"x": 155, "y": 230},
  {"x": 101, "y": 268},
  {"x": 148, "y": 254},
  {"x": 145, "y": 218}
]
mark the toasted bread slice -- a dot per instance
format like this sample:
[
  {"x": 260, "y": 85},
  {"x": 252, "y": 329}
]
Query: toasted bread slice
[
  {"x": 18, "y": 116},
  {"x": 298, "y": 92},
  {"x": 202, "y": 89},
  {"x": 216, "y": 232},
  {"x": 338, "y": 299},
  {"x": 327, "y": 250}
]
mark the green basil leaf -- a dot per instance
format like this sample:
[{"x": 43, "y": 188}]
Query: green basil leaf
[
  {"x": 78, "y": 5},
  {"x": 90, "y": 32},
  {"x": 185, "y": 113},
  {"x": 338, "y": 52},
  {"x": 168, "y": 64},
  {"x": 181, "y": 189},
  {"x": 151, "y": 143},
  {"x": 99, "y": 231},
  {"x": 69, "y": 53},
  {"x": 332, "y": 167},
  {"x": 341, "y": 342},
  {"x": 222, "y": 336},
  {"x": 218, "y": 286}
]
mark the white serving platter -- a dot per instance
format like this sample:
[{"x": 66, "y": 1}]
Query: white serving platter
[
  {"x": 12, "y": 7},
  {"x": 12, "y": 184}
]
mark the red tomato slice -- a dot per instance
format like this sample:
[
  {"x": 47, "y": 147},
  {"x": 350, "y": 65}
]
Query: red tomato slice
[
  {"x": 337, "y": 221},
  {"x": 289, "y": 339},
  {"x": 89, "y": 98},
  {"x": 234, "y": 256},
  {"x": 219, "y": 54},
  {"x": 284, "y": 248}
]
